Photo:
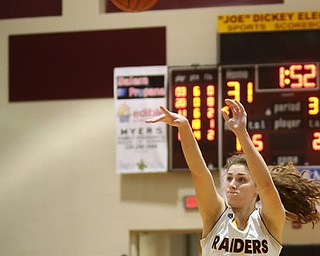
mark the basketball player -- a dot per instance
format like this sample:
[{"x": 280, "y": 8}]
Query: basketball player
[{"x": 236, "y": 226}]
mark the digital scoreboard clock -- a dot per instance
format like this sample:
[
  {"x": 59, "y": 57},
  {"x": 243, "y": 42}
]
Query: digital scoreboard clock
[
  {"x": 193, "y": 92},
  {"x": 283, "y": 106},
  {"x": 282, "y": 102}
]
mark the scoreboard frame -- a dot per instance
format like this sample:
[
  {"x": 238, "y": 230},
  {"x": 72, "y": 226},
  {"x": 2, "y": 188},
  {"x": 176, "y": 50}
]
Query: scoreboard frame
[{"x": 283, "y": 105}]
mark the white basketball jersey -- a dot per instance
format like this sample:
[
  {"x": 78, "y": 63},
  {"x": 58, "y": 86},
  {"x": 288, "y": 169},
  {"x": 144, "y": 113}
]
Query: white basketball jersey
[{"x": 226, "y": 239}]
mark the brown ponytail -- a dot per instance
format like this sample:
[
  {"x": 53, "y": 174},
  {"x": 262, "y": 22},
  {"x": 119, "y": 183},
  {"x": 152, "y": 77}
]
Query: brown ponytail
[{"x": 299, "y": 194}]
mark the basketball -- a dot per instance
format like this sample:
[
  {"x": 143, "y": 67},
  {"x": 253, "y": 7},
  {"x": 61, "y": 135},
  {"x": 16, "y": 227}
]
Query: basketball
[{"x": 134, "y": 5}]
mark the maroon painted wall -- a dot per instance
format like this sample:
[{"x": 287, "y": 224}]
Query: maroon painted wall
[
  {"x": 78, "y": 65},
  {"x": 181, "y": 4},
  {"x": 29, "y": 8}
]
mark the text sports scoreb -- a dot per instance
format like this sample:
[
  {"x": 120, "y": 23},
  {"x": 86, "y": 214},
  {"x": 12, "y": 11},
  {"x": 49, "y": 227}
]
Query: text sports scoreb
[{"x": 282, "y": 102}]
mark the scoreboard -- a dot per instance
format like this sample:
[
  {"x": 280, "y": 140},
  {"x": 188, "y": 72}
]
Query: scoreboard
[
  {"x": 193, "y": 92},
  {"x": 282, "y": 102}
]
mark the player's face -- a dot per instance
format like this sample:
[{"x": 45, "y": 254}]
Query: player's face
[{"x": 239, "y": 187}]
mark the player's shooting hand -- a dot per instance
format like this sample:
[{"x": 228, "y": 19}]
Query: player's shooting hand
[
  {"x": 236, "y": 122},
  {"x": 169, "y": 118}
]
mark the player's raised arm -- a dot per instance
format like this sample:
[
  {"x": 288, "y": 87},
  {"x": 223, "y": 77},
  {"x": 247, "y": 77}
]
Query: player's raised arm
[
  {"x": 210, "y": 203},
  {"x": 272, "y": 210}
]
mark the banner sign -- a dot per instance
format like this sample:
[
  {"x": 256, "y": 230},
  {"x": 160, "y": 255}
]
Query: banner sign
[
  {"x": 314, "y": 171},
  {"x": 262, "y": 22},
  {"x": 138, "y": 93}
]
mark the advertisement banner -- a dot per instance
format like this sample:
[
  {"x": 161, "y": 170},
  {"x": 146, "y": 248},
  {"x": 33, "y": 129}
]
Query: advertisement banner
[
  {"x": 313, "y": 171},
  {"x": 138, "y": 93},
  {"x": 263, "y": 22}
]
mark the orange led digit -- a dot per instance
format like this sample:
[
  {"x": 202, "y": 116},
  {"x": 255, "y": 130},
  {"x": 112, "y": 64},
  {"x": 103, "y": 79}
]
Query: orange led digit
[
  {"x": 210, "y": 113},
  {"x": 196, "y": 124},
  {"x": 197, "y": 134},
  {"x": 197, "y": 102},
  {"x": 297, "y": 76},
  {"x": 238, "y": 145},
  {"x": 210, "y": 101},
  {"x": 211, "y": 135},
  {"x": 250, "y": 92},
  {"x": 313, "y": 105},
  {"x": 210, "y": 90},
  {"x": 196, "y": 91},
  {"x": 309, "y": 76},
  {"x": 281, "y": 77},
  {"x": 227, "y": 109},
  {"x": 180, "y": 103},
  {"x": 257, "y": 141},
  {"x": 183, "y": 112},
  {"x": 180, "y": 91},
  {"x": 196, "y": 113},
  {"x": 235, "y": 93},
  {"x": 212, "y": 124},
  {"x": 316, "y": 141}
]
